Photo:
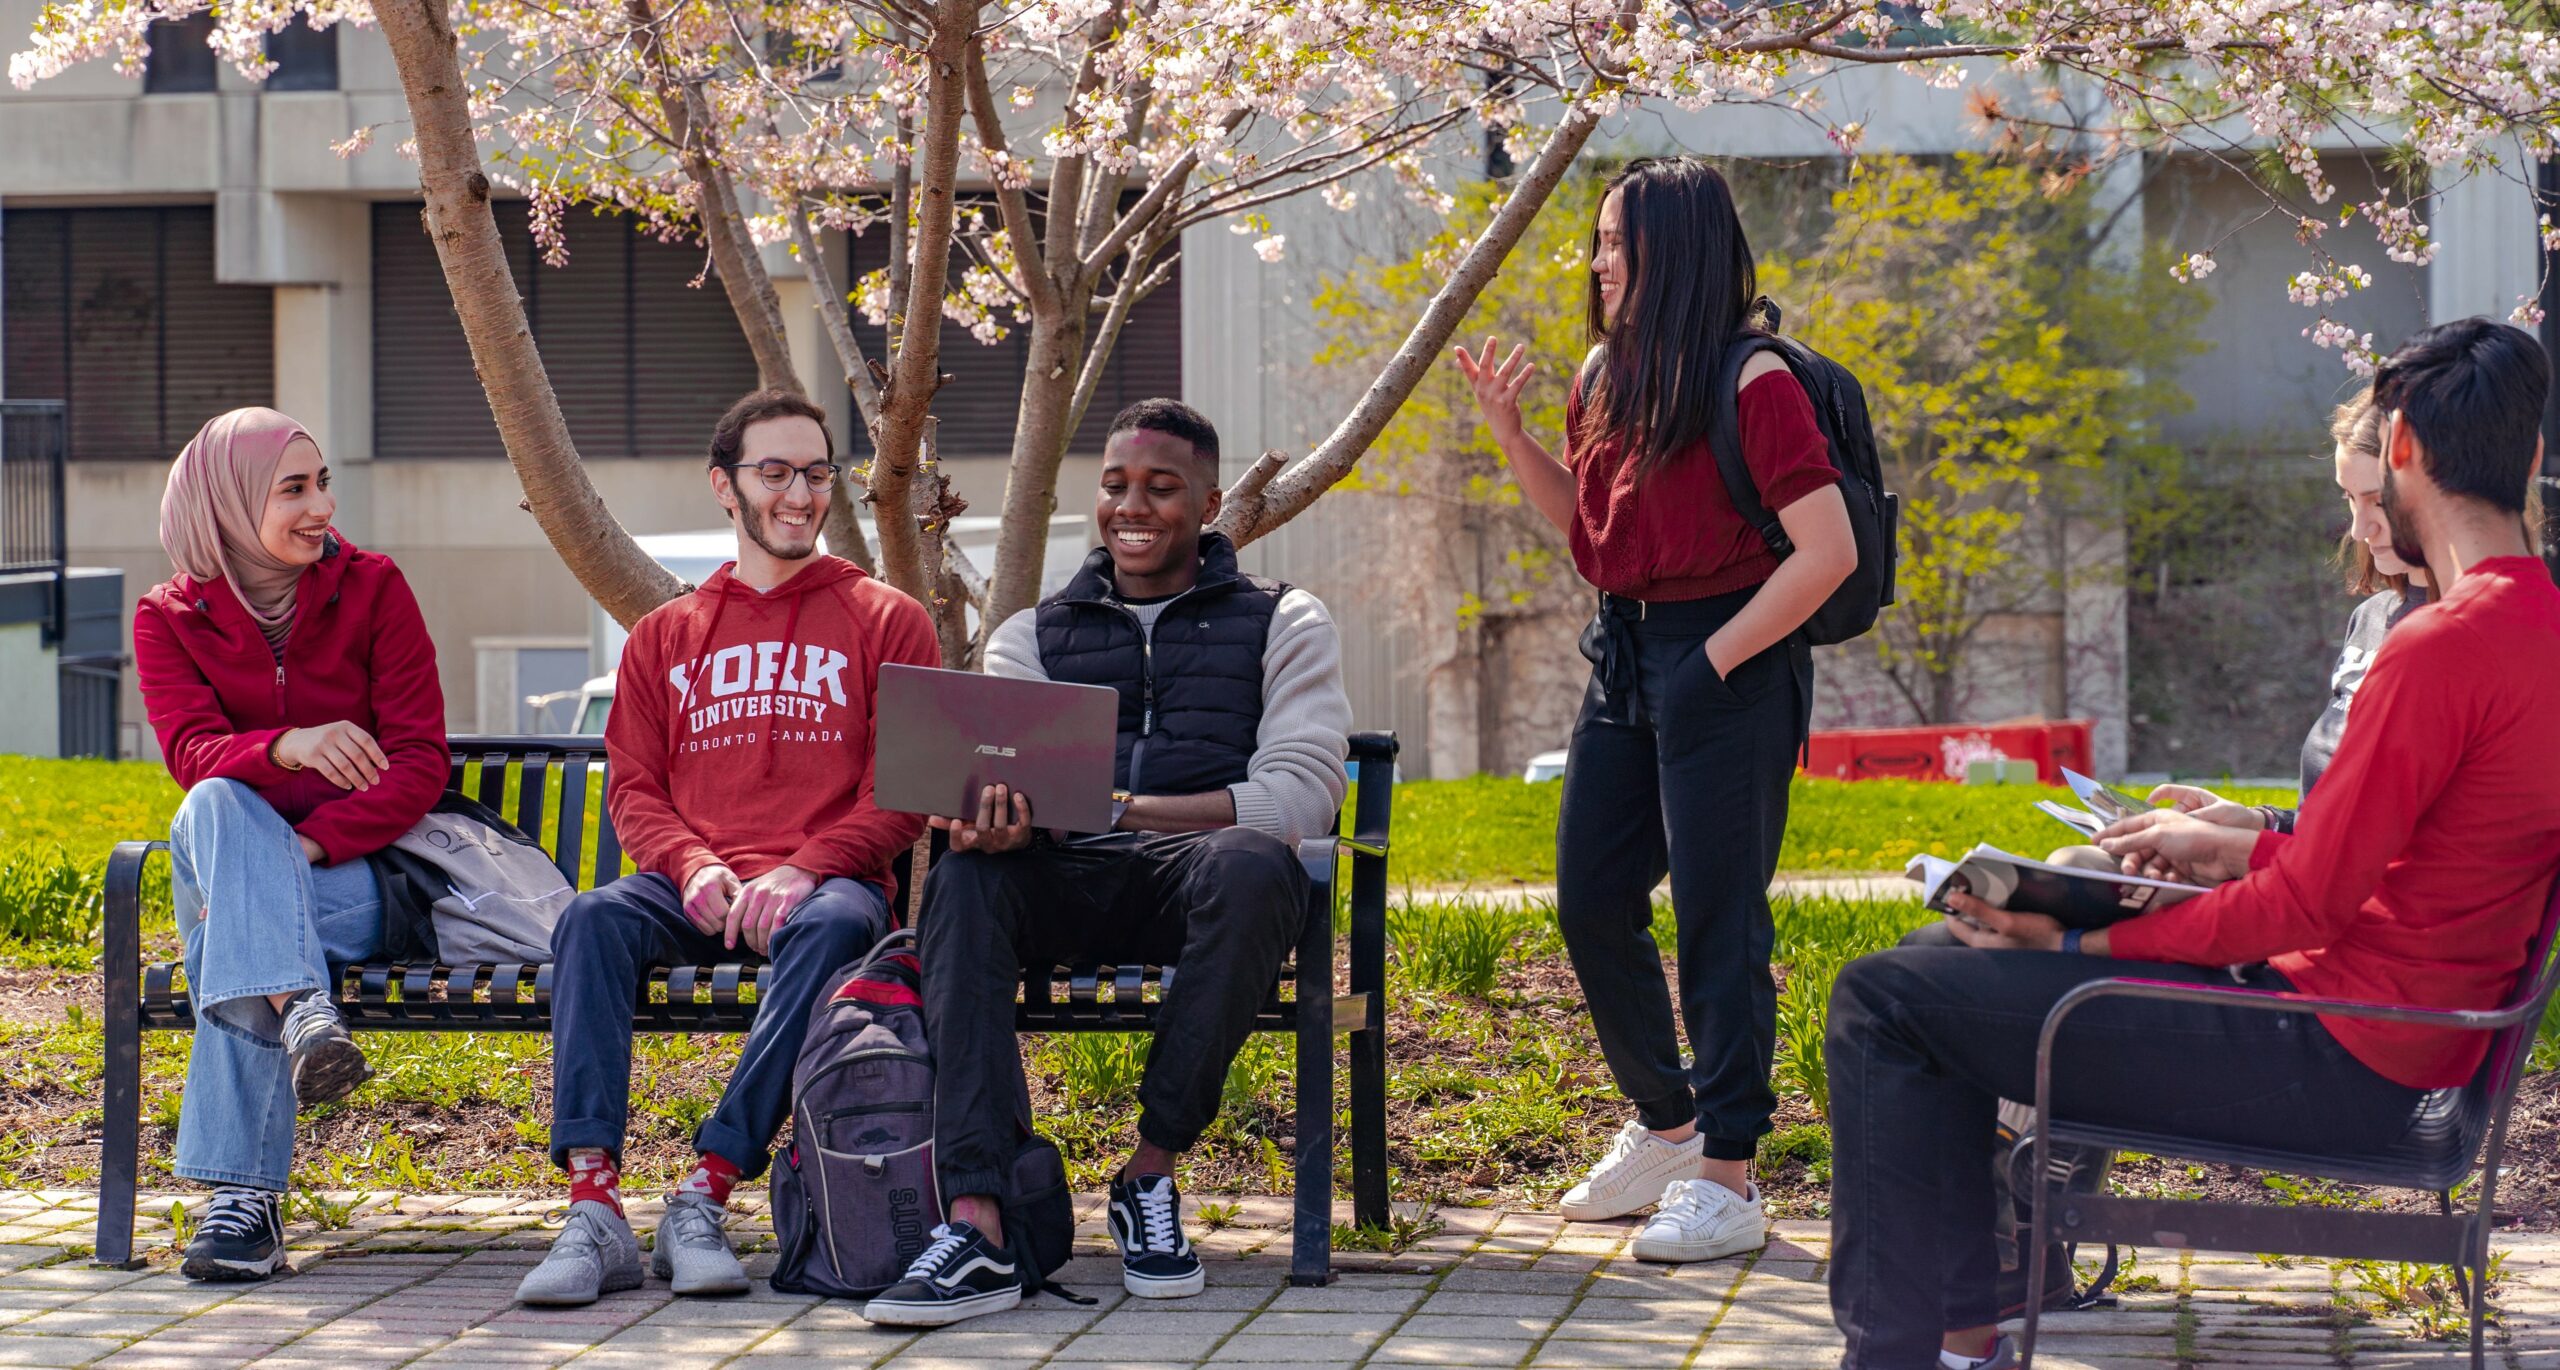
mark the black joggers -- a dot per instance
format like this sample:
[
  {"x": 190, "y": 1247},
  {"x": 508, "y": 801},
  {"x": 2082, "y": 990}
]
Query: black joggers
[
  {"x": 1677, "y": 770},
  {"x": 1925, "y": 1041},
  {"x": 1224, "y": 906}
]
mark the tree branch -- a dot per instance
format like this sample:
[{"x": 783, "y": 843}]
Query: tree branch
[
  {"x": 1288, "y": 494},
  {"x": 1012, "y": 205}
]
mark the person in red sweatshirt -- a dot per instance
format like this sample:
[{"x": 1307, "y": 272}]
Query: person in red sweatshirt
[
  {"x": 2415, "y": 875},
  {"x": 292, "y": 686},
  {"x": 740, "y": 746}
]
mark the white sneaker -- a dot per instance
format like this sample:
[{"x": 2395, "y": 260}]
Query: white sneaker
[
  {"x": 1700, "y": 1220},
  {"x": 1632, "y": 1175}
]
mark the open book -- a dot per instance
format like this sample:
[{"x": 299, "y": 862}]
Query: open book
[
  {"x": 2099, "y": 805},
  {"x": 2075, "y": 896}
]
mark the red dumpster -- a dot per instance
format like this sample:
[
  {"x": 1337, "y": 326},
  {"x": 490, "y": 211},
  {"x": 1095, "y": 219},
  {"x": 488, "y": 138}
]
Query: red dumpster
[{"x": 1940, "y": 752}]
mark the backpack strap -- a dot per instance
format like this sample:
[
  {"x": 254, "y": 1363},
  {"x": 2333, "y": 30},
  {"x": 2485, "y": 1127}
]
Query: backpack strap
[{"x": 1724, "y": 435}]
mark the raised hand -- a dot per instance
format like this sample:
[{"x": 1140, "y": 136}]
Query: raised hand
[{"x": 1498, "y": 387}]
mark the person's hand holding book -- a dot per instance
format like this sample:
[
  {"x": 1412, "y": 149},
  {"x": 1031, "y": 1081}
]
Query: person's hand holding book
[
  {"x": 1979, "y": 923},
  {"x": 2211, "y": 807},
  {"x": 2165, "y": 844}
]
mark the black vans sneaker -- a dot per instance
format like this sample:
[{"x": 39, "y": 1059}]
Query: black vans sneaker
[
  {"x": 1155, "y": 1258},
  {"x": 240, "y": 1238},
  {"x": 960, "y": 1276}
]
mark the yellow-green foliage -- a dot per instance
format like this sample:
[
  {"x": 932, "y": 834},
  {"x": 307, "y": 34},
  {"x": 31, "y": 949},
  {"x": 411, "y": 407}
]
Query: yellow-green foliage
[
  {"x": 85, "y": 806},
  {"x": 1438, "y": 446},
  {"x": 2008, "y": 364}
]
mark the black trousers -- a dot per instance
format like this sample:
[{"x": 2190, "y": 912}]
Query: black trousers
[
  {"x": 1676, "y": 770},
  {"x": 1924, "y": 1041},
  {"x": 1223, "y": 906}
]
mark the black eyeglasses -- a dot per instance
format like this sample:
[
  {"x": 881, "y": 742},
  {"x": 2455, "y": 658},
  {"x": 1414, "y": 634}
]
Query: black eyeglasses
[{"x": 777, "y": 475}]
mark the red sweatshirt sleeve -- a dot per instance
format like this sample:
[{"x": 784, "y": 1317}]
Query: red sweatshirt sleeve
[
  {"x": 868, "y": 837},
  {"x": 635, "y": 746},
  {"x": 196, "y": 737},
  {"x": 2301, "y": 893},
  {"x": 408, "y": 721}
]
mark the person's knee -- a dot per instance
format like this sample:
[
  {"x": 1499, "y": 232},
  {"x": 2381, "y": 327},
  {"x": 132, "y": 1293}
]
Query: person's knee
[
  {"x": 211, "y": 803},
  {"x": 1249, "y": 856},
  {"x": 1866, "y": 990},
  {"x": 1934, "y": 935},
  {"x": 837, "y": 924},
  {"x": 594, "y": 917}
]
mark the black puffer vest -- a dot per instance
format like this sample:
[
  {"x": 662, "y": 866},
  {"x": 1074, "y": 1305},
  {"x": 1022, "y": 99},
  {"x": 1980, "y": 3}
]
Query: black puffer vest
[{"x": 1190, "y": 702}]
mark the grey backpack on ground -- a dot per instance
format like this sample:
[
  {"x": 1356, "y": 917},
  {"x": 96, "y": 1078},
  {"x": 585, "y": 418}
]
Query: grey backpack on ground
[{"x": 855, "y": 1196}]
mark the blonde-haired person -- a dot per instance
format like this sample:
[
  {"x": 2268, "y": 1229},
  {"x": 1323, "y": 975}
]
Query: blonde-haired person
[
  {"x": 292, "y": 685},
  {"x": 2392, "y": 590}
]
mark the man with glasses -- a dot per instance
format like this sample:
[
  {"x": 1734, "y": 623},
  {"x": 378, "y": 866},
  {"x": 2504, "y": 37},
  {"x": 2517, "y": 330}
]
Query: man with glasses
[{"x": 741, "y": 744}]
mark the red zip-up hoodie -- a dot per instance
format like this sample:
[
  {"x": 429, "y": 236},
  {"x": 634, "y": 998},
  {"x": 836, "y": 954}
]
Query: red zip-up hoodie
[
  {"x": 359, "y": 653},
  {"x": 741, "y": 730}
]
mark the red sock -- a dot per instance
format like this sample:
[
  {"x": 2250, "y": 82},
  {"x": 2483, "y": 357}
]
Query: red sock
[
  {"x": 712, "y": 1178},
  {"x": 593, "y": 1175}
]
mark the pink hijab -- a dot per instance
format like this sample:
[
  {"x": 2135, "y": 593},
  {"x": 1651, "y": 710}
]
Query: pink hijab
[{"x": 217, "y": 497}]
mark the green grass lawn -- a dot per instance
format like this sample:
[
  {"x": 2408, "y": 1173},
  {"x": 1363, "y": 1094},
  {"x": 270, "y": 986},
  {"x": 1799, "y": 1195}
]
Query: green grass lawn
[{"x": 1493, "y": 831}]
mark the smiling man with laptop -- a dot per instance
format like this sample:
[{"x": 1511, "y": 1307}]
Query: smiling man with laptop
[{"x": 1226, "y": 746}]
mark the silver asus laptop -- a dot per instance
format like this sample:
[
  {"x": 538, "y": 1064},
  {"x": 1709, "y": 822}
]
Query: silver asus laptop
[{"x": 944, "y": 736}]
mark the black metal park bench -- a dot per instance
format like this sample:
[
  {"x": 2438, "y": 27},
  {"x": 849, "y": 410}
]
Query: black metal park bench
[
  {"x": 2455, "y": 1136},
  {"x": 551, "y": 799}
]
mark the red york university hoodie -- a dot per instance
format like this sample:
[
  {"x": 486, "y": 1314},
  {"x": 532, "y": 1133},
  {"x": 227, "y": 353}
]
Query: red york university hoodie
[{"x": 741, "y": 729}]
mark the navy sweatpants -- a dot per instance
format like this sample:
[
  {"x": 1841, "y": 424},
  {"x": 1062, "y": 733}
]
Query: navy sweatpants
[{"x": 606, "y": 940}]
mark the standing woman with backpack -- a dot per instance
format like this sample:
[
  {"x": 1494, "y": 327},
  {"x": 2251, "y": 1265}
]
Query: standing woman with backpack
[
  {"x": 292, "y": 685},
  {"x": 1700, "y": 694}
]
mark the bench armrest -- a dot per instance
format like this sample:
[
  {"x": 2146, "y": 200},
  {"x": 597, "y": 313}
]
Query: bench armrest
[{"x": 2254, "y": 1000}]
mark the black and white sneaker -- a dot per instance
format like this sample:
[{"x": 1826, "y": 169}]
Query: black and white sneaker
[
  {"x": 240, "y": 1238},
  {"x": 327, "y": 1063},
  {"x": 960, "y": 1276},
  {"x": 1155, "y": 1258}
]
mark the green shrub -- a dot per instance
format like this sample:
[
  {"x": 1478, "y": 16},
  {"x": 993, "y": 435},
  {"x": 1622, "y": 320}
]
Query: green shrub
[
  {"x": 1457, "y": 947},
  {"x": 46, "y": 900},
  {"x": 1097, "y": 1069}
]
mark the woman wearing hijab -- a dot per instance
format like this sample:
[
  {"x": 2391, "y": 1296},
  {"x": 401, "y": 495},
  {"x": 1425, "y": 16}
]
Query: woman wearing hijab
[{"x": 293, "y": 688}]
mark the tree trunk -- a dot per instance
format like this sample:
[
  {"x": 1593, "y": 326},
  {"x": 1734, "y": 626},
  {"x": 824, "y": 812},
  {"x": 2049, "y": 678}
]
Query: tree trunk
[
  {"x": 1255, "y": 509},
  {"x": 914, "y": 375},
  {"x": 563, "y": 501},
  {"x": 1040, "y": 435}
]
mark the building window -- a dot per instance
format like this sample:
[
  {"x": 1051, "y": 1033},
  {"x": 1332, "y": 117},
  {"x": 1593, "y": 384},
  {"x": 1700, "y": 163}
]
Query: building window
[
  {"x": 643, "y": 359},
  {"x": 117, "y": 313},
  {"x": 306, "y": 58},
  {"x": 179, "y": 57}
]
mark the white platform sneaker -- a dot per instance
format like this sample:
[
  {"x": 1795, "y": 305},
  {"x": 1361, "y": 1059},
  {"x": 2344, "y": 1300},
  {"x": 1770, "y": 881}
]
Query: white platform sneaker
[
  {"x": 1700, "y": 1220},
  {"x": 1632, "y": 1175}
]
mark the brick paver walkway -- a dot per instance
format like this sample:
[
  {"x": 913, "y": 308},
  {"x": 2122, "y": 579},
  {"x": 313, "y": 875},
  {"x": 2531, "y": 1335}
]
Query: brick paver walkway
[{"x": 426, "y": 1281}]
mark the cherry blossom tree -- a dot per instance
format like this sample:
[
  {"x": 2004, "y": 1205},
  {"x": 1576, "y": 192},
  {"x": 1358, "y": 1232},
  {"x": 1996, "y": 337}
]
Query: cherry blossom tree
[{"x": 1035, "y": 167}]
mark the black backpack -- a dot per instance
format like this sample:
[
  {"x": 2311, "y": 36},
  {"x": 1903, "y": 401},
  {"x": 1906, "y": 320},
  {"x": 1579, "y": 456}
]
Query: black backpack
[{"x": 1875, "y": 513}]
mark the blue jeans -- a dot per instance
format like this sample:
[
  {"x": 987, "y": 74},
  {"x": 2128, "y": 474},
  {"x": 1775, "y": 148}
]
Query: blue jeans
[
  {"x": 259, "y": 919},
  {"x": 605, "y": 943}
]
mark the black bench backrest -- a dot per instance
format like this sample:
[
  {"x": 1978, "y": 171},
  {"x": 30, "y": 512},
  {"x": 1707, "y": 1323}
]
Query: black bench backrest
[{"x": 558, "y": 789}]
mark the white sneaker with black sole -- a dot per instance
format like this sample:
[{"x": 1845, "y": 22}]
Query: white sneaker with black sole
[
  {"x": 241, "y": 1237},
  {"x": 1156, "y": 1261},
  {"x": 1632, "y": 1176},
  {"x": 961, "y": 1275},
  {"x": 1700, "y": 1220}
]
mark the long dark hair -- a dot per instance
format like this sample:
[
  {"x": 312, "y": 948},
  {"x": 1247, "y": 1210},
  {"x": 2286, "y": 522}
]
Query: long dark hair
[{"x": 1689, "y": 292}]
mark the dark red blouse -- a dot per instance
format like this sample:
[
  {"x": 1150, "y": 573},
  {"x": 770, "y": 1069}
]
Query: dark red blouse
[{"x": 1678, "y": 536}]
